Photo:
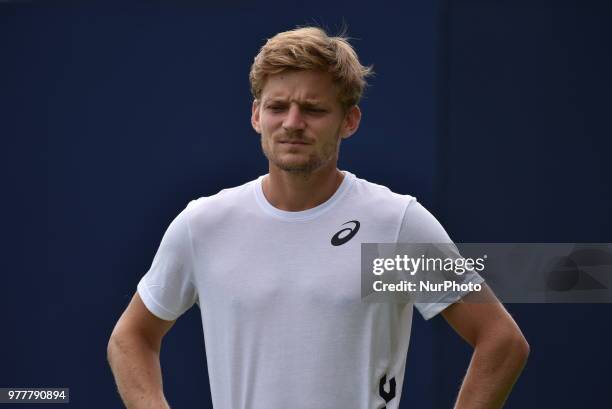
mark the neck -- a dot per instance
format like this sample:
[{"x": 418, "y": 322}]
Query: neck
[{"x": 294, "y": 191}]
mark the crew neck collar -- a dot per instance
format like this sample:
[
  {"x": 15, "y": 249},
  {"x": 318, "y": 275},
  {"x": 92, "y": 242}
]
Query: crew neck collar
[{"x": 307, "y": 214}]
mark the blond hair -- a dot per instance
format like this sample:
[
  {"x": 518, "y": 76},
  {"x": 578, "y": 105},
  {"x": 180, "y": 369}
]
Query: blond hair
[{"x": 310, "y": 48}]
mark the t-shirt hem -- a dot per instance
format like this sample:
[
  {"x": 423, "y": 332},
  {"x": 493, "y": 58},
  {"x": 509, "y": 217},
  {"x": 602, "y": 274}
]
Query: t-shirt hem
[
  {"x": 153, "y": 306},
  {"x": 430, "y": 310}
]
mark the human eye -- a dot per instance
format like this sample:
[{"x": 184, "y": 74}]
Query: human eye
[
  {"x": 275, "y": 107},
  {"x": 315, "y": 110}
]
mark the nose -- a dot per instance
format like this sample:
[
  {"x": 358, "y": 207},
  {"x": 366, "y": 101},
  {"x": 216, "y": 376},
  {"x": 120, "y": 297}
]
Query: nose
[{"x": 293, "y": 121}]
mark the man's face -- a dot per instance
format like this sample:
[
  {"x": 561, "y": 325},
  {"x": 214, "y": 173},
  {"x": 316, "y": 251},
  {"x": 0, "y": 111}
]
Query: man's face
[{"x": 301, "y": 121}]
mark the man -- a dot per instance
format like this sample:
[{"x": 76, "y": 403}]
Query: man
[{"x": 275, "y": 264}]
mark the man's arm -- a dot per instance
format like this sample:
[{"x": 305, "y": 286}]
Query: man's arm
[
  {"x": 133, "y": 354},
  {"x": 500, "y": 350}
]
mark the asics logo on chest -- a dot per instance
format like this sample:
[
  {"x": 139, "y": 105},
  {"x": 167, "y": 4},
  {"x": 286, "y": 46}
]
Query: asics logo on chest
[{"x": 345, "y": 234}]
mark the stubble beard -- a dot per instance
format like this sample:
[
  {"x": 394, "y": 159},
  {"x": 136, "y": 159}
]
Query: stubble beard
[{"x": 305, "y": 167}]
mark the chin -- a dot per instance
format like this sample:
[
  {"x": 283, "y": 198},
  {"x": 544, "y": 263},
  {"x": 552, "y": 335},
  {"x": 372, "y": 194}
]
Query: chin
[
  {"x": 303, "y": 166},
  {"x": 294, "y": 162},
  {"x": 296, "y": 168}
]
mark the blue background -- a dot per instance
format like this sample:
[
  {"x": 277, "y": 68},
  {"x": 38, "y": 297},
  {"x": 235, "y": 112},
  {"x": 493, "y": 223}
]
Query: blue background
[{"x": 495, "y": 114}]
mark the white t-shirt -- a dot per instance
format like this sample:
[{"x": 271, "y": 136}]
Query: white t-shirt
[{"x": 284, "y": 323}]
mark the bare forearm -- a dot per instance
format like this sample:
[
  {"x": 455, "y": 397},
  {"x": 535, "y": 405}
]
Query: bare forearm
[
  {"x": 493, "y": 370},
  {"x": 137, "y": 372}
]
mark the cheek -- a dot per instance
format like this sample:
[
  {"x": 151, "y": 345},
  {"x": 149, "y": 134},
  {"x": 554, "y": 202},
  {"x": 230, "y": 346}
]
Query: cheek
[
  {"x": 269, "y": 123},
  {"x": 331, "y": 130}
]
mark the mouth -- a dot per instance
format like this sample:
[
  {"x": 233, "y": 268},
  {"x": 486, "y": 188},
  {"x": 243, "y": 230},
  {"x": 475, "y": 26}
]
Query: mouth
[{"x": 293, "y": 143}]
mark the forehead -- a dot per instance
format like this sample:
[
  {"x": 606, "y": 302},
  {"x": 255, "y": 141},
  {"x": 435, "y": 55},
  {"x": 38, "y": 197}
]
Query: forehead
[{"x": 300, "y": 86}]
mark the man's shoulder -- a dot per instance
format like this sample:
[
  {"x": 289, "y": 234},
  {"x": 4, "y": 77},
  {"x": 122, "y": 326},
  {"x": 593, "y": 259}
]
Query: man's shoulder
[
  {"x": 379, "y": 195},
  {"x": 226, "y": 200}
]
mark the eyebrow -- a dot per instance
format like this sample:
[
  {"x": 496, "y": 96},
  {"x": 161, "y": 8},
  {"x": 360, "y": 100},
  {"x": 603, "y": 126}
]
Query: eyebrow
[{"x": 306, "y": 103}]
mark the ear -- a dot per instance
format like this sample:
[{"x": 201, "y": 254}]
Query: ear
[
  {"x": 351, "y": 121},
  {"x": 255, "y": 116}
]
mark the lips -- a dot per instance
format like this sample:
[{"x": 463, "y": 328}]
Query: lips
[{"x": 293, "y": 142}]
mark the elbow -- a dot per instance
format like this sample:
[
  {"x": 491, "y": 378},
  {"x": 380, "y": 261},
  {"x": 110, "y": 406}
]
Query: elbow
[
  {"x": 516, "y": 347},
  {"x": 123, "y": 344},
  {"x": 110, "y": 349},
  {"x": 525, "y": 345},
  {"x": 522, "y": 347},
  {"x": 508, "y": 343},
  {"x": 116, "y": 346}
]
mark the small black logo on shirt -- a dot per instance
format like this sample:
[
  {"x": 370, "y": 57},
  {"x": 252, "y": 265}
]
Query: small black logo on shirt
[
  {"x": 387, "y": 396},
  {"x": 338, "y": 241}
]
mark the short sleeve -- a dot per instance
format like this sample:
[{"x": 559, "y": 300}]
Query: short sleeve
[
  {"x": 167, "y": 289},
  {"x": 420, "y": 226}
]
